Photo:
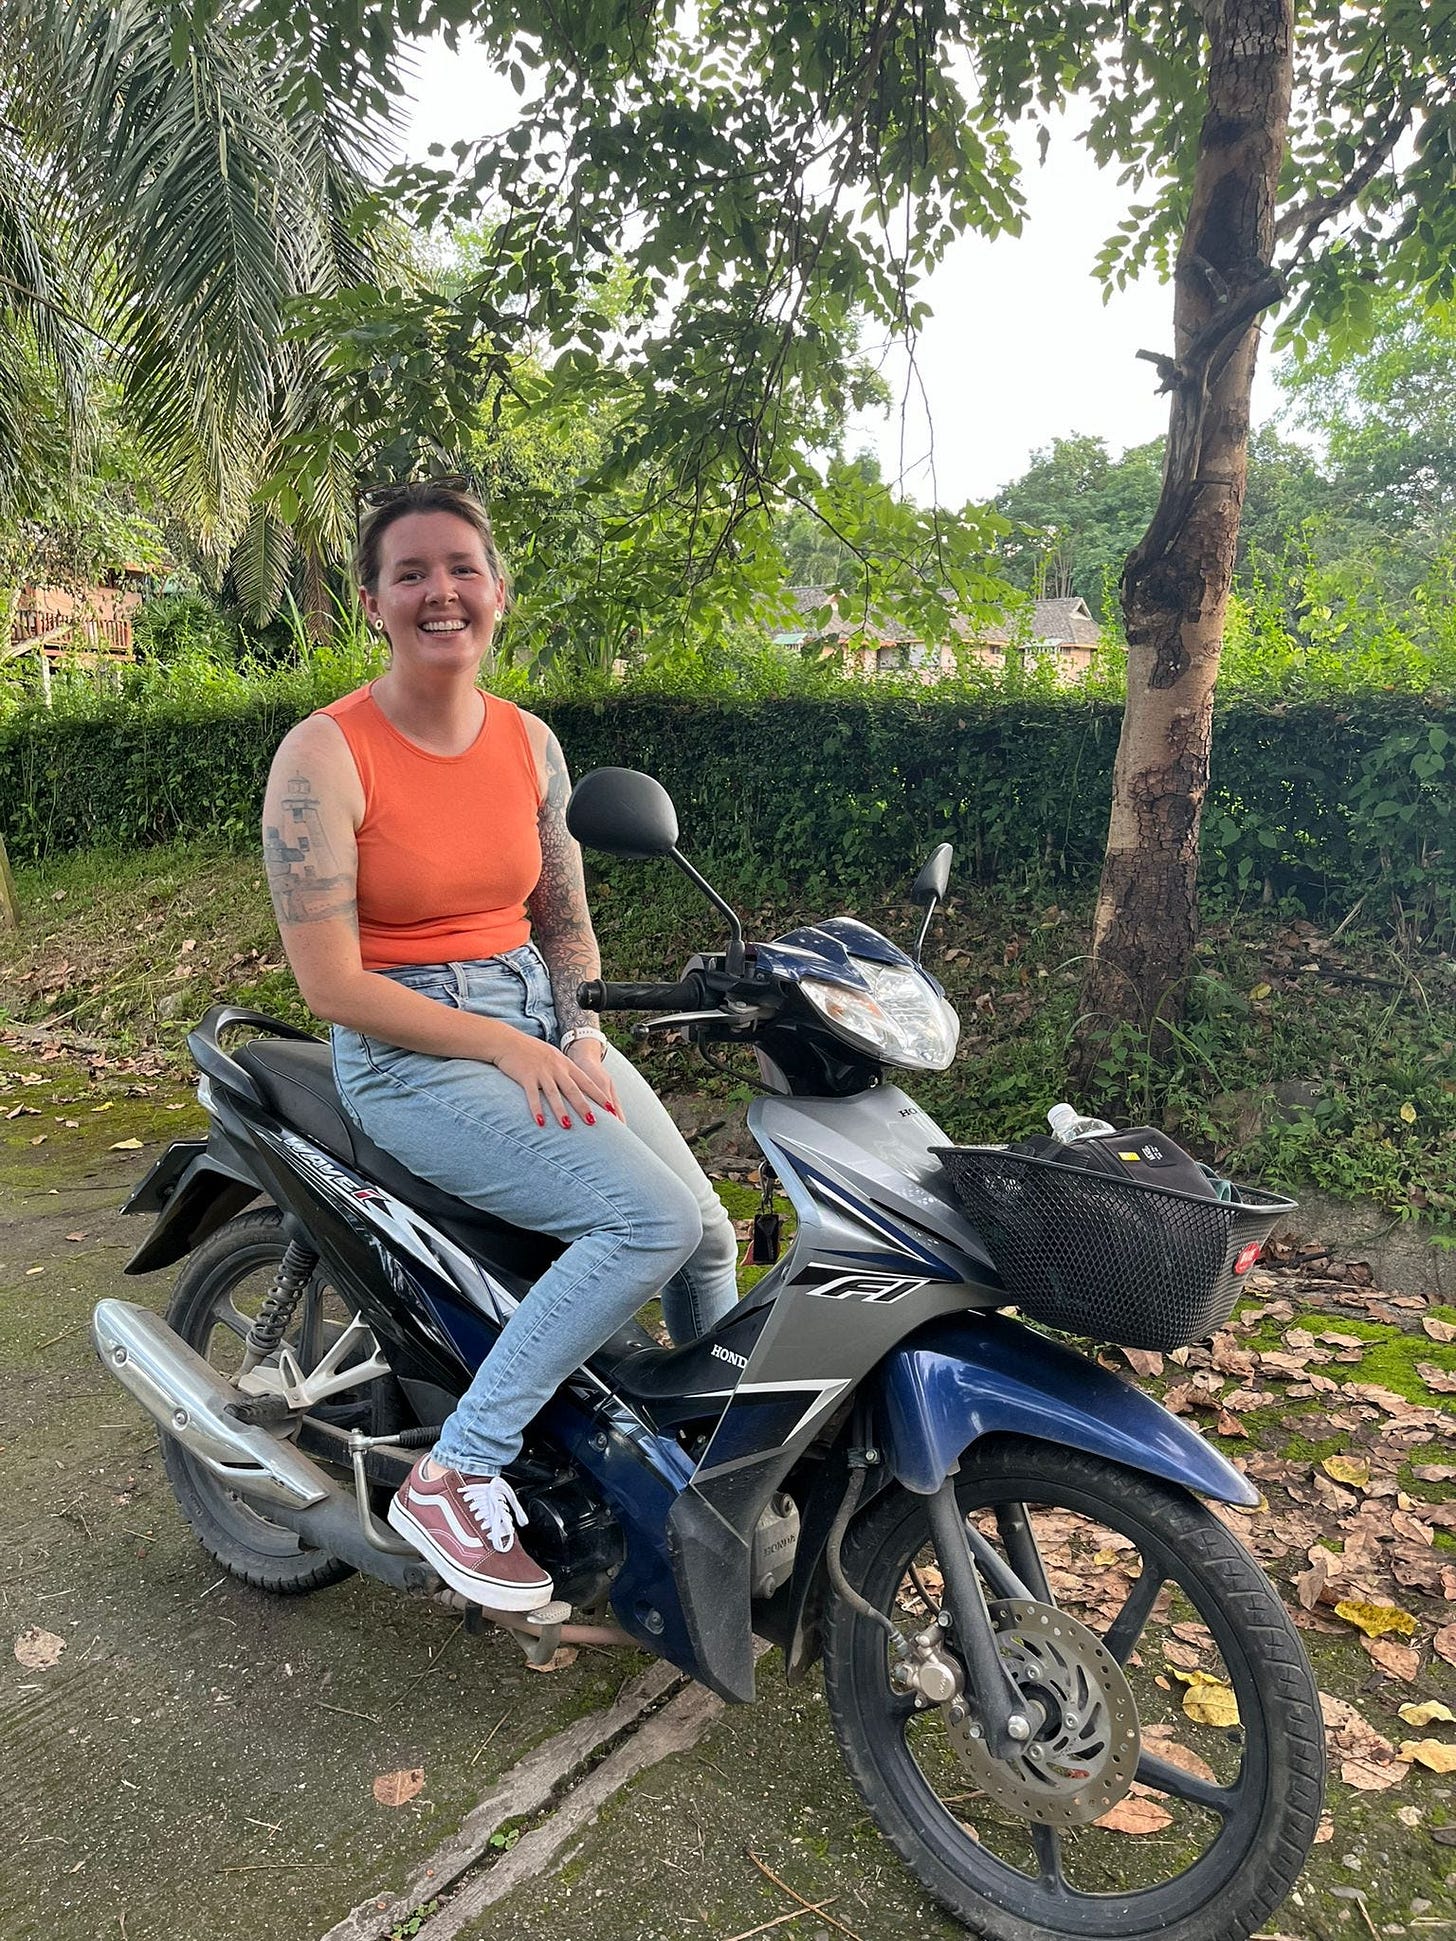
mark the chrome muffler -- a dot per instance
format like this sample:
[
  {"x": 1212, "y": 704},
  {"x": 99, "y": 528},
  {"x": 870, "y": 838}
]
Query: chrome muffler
[{"x": 191, "y": 1402}]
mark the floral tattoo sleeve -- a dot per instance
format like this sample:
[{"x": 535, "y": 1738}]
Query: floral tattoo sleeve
[{"x": 560, "y": 920}]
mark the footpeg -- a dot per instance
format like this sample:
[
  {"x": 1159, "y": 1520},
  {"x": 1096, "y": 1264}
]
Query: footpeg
[{"x": 542, "y": 1648}]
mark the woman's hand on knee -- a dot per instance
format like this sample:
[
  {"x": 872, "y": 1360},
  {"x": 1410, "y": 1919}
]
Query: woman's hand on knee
[
  {"x": 553, "y": 1084},
  {"x": 590, "y": 1054}
]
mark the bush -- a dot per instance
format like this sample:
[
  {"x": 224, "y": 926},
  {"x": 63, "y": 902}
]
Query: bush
[
  {"x": 1313, "y": 801},
  {"x": 174, "y": 626}
]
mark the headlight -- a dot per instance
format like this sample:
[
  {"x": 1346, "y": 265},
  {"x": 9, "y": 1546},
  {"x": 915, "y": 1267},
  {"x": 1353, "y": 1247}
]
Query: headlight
[{"x": 899, "y": 1017}]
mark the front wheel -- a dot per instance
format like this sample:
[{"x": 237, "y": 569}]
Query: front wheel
[{"x": 1179, "y": 1644}]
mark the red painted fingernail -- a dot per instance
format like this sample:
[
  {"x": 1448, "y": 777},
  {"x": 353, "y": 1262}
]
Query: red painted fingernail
[
  {"x": 564, "y": 1120},
  {"x": 540, "y": 1120},
  {"x": 589, "y": 1119}
]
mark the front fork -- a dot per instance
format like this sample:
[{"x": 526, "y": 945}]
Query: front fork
[{"x": 922, "y": 1665}]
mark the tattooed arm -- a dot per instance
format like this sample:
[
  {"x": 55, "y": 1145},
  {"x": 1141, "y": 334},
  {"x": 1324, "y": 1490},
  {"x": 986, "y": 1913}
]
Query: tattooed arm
[{"x": 560, "y": 920}]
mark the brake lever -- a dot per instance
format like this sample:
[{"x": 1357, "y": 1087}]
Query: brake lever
[{"x": 680, "y": 1020}]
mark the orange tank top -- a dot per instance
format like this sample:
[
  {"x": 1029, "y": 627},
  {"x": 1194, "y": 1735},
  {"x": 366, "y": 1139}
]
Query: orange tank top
[{"x": 448, "y": 848}]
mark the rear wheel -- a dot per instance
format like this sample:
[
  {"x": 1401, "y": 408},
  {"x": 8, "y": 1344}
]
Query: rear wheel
[
  {"x": 1205, "y": 1811},
  {"x": 217, "y": 1296}
]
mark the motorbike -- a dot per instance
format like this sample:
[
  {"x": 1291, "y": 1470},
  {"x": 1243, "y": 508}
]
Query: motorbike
[{"x": 1001, "y": 1553}]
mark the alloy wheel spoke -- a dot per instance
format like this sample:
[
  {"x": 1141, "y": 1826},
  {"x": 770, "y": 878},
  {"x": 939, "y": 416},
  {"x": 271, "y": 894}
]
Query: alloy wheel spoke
[
  {"x": 1164, "y": 1777},
  {"x": 227, "y": 1316},
  {"x": 1127, "y": 1627},
  {"x": 1018, "y": 1539},
  {"x": 1047, "y": 1844}
]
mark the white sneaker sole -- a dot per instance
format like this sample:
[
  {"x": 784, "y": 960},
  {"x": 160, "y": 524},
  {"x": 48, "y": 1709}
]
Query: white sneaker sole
[{"x": 488, "y": 1592}]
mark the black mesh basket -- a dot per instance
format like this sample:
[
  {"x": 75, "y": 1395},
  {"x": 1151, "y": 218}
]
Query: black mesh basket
[{"x": 1147, "y": 1266}]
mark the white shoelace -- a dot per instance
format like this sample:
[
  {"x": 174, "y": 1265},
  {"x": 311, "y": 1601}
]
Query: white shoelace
[{"x": 493, "y": 1505}]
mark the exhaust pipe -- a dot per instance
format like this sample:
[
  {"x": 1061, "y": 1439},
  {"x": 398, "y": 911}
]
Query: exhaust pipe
[{"x": 189, "y": 1400}]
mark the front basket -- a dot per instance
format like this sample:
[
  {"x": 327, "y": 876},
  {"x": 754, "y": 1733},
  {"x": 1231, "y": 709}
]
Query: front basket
[{"x": 1147, "y": 1266}]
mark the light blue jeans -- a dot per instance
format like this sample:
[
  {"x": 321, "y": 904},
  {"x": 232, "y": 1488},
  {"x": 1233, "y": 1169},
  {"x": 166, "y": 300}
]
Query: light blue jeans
[{"x": 637, "y": 1211}]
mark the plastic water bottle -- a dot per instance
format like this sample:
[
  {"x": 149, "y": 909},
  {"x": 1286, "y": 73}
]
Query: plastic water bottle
[{"x": 1067, "y": 1124}]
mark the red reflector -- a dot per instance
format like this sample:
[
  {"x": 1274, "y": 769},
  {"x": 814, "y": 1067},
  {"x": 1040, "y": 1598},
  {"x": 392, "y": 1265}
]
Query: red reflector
[{"x": 1247, "y": 1256}]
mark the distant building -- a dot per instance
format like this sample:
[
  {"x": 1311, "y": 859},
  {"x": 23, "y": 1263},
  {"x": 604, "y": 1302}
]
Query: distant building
[
  {"x": 1063, "y": 628},
  {"x": 92, "y": 621}
]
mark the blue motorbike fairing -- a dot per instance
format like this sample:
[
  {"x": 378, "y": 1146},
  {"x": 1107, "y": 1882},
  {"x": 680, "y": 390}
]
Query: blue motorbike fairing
[{"x": 965, "y": 1377}]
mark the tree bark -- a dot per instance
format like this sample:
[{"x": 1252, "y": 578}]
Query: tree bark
[
  {"x": 9, "y": 901},
  {"x": 1175, "y": 585}
]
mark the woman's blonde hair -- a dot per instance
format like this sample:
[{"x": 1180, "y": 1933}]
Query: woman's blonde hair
[{"x": 425, "y": 495}]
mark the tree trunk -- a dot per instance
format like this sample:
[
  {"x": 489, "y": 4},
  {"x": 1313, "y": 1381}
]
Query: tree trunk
[
  {"x": 1175, "y": 585},
  {"x": 9, "y": 901}
]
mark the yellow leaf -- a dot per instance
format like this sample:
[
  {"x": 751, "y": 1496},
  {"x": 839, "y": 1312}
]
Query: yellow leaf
[
  {"x": 1408, "y": 1113},
  {"x": 1208, "y": 1701},
  {"x": 1260, "y": 990},
  {"x": 127, "y": 1145},
  {"x": 1432, "y": 1712},
  {"x": 1431, "y": 1753},
  {"x": 1376, "y": 1619},
  {"x": 1347, "y": 1469}
]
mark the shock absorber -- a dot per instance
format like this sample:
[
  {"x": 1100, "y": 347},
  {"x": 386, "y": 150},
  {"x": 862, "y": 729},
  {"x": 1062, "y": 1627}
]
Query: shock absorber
[{"x": 270, "y": 1324}]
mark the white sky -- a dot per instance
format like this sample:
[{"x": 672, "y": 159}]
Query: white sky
[{"x": 1020, "y": 348}]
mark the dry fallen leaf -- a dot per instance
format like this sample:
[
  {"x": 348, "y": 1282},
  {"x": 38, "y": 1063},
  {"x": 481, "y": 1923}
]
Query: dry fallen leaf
[
  {"x": 1445, "y": 1643},
  {"x": 1430, "y": 1712},
  {"x": 127, "y": 1145},
  {"x": 1402, "y": 1661},
  {"x": 399, "y": 1788},
  {"x": 1440, "y": 1379},
  {"x": 1325, "y": 1830},
  {"x": 1159, "y": 1740},
  {"x": 1363, "y": 1775},
  {"x": 38, "y": 1650},
  {"x": 1434, "y": 1754},
  {"x": 1437, "y": 1329},
  {"x": 1144, "y": 1361},
  {"x": 1135, "y": 1816},
  {"x": 1375, "y": 1620},
  {"x": 563, "y": 1656},
  {"x": 1347, "y": 1469}
]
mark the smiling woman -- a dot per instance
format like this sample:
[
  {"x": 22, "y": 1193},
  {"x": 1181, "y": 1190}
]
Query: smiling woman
[{"x": 433, "y": 907}]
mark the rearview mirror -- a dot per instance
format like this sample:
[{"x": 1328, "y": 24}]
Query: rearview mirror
[
  {"x": 930, "y": 885},
  {"x": 622, "y": 813}
]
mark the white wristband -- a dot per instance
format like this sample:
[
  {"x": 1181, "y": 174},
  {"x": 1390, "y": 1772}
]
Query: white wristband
[{"x": 569, "y": 1038}]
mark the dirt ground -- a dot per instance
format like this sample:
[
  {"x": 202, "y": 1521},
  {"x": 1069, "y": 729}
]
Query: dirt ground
[{"x": 199, "y": 1760}]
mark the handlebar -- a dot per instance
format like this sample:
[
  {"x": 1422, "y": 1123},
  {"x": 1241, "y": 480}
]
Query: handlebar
[{"x": 688, "y": 994}]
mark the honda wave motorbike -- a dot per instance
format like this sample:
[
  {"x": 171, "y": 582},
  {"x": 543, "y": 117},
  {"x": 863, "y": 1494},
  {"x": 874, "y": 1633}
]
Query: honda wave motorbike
[{"x": 998, "y": 1550}]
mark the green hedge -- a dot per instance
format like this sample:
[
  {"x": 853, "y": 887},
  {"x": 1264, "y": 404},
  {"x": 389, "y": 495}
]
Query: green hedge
[{"x": 1320, "y": 800}]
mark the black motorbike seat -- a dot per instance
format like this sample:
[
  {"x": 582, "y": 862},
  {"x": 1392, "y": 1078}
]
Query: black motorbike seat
[{"x": 296, "y": 1081}]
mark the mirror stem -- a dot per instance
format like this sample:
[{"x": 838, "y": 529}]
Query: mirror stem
[
  {"x": 930, "y": 910},
  {"x": 734, "y": 957}
]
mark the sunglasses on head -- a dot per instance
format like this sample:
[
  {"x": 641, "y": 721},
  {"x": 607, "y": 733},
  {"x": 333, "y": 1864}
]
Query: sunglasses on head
[{"x": 372, "y": 497}]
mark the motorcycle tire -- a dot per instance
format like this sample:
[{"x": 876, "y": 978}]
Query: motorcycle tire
[
  {"x": 1007, "y": 1878},
  {"x": 236, "y": 1534}
]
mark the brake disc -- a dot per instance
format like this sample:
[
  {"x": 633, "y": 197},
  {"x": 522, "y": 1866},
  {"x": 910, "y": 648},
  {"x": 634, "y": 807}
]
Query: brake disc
[{"x": 1083, "y": 1758}]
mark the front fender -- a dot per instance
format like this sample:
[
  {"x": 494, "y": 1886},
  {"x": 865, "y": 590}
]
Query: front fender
[{"x": 956, "y": 1380}]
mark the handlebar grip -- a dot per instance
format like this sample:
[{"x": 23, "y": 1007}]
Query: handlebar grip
[{"x": 686, "y": 995}]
